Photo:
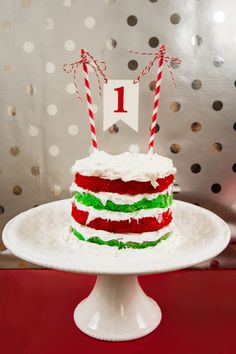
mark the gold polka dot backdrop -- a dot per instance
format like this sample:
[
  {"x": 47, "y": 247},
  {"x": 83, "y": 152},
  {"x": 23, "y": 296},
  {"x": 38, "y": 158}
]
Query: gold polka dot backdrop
[{"x": 44, "y": 128}]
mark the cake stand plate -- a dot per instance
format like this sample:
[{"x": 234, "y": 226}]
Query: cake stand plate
[{"x": 117, "y": 308}]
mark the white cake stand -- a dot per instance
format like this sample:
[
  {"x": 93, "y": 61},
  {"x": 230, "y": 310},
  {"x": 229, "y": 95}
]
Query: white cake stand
[{"x": 117, "y": 308}]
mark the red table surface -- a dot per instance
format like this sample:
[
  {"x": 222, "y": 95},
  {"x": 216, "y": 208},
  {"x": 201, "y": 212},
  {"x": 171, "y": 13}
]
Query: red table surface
[{"x": 198, "y": 307}]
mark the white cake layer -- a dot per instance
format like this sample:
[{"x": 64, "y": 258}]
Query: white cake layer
[
  {"x": 120, "y": 198},
  {"x": 126, "y": 166},
  {"x": 88, "y": 232},
  {"x": 118, "y": 215}
]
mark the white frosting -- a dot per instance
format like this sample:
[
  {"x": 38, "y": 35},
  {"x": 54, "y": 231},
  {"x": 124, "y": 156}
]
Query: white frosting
[
  {"x": 118, "y": 215},
  {"x": 120, "y": 198},
  {"x": 88, "y": 232},
  {"x": 127, "y": 166}
]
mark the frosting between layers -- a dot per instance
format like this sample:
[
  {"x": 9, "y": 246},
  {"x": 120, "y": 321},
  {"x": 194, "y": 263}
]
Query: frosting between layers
[
  {"x": 101, "y": 184},
  {"x": 162, "y": 201},
  {"x": 88, "y": 232},
  {"x": 123, "y": 226},
  {"x": 126, "y": 166},
  {"x": 121, "y": 244},
  {"x": 120, "y": 198},
  {"x": 118, "y": 215}
]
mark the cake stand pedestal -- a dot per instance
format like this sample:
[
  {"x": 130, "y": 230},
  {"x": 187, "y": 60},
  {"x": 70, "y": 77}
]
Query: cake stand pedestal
[{"x": 117, "y": 308}]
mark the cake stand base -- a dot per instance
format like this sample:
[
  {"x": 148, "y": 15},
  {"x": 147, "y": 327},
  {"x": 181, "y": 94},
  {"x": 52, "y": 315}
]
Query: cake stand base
[{"x": 117, "y": 309}]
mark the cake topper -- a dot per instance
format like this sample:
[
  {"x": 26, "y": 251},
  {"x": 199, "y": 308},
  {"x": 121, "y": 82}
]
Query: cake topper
[{"x": 130, "y": 116}]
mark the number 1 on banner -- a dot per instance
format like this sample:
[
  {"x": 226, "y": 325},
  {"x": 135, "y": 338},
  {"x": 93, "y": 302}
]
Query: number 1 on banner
[
  {"x": 120, "y": 91},
  {"x": 120, "y": 102}
]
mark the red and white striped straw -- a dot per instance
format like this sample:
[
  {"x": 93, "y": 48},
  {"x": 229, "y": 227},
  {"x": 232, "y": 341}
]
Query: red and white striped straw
[
  {"x": 99, "y": 68},
  {"x": 89, "y": 103},
  {"x": 156, "y": 99},
  {"x": 162, "y": 58}
]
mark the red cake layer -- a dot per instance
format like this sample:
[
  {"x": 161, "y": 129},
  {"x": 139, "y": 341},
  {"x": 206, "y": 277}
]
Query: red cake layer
[
  {"x": 98, "y": 184},
  {"x": 123, "y": 226}
]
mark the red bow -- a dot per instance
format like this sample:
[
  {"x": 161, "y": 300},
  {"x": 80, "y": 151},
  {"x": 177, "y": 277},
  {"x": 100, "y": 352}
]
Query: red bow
[
  {"x": 88, "y": 59},
  {"x": 160, "y": 54}
]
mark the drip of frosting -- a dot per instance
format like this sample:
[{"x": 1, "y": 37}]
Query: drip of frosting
[{"x": 126, "y": 166}]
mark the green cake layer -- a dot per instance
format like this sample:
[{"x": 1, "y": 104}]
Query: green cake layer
[
  {"x": 162, "y": 201},
  {"x": 121, "y": 244}
]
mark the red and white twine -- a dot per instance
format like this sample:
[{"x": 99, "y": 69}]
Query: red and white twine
[
  {"x": 88, "y": 60},
  {"x": 161, "y": 56}
]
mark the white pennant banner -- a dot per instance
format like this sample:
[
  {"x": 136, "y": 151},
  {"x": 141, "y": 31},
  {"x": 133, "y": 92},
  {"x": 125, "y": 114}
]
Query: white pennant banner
[{"x": 120, "y": 102}]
